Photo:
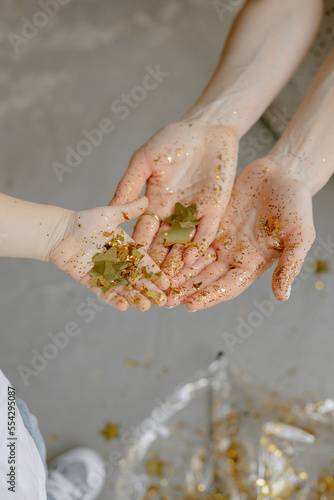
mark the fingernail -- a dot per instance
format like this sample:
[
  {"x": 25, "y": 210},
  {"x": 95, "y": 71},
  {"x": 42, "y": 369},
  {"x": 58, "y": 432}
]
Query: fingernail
[
  {"x": 194, "y": 311},
  {"x": 288, "y": 293},
  {"x": 170, "y": 307}
]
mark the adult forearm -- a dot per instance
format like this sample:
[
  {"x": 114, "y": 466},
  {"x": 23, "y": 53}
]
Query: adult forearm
[
  {"x": 307, "y": 145},
  {"x": 29, "y": 230},
  {"x": 267, "y": 42}
]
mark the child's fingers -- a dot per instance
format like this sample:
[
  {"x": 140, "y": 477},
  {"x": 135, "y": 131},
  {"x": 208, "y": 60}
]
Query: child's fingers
[
  {"x": 145, "y": 230},
  {"x": 112, "y": 299},
  {"x": 151, "y": 267},
  {"x": 135, "y": 298}
]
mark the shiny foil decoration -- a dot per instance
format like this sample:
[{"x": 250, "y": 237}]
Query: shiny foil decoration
[{"x": 221, "y": 437}]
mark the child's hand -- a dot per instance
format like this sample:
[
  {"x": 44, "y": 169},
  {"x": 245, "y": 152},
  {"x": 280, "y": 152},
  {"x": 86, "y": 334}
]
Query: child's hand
[{"x": 85, "y": 234}]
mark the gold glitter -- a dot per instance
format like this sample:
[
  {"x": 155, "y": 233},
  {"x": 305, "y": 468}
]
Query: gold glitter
[
  {"x": 153, "y": 490},
  {"x": 320, "y": 285},
  {"x": 320, "y": 266},
  {"x": 154, "y": 466},
  {"x": 118, "y": 266},
  {"x": 53, "y": 437},
  {"x": 130, "y": 363}
]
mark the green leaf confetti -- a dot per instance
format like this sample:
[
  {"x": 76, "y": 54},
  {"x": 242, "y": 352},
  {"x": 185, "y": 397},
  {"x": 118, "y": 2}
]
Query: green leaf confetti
[
  {"x": 118, "y": 265},
  {"x": 183, "y": 221}
]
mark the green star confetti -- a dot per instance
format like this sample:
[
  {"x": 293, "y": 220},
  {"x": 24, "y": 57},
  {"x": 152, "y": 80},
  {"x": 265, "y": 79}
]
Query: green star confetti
[
  {"x": 119, "y": 266},
  {"x": 183, "y": 222}
]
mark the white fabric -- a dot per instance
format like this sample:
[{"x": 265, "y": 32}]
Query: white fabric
[
  {"x": 29, "y": 469},
  {"x": 62, "y": 488}
]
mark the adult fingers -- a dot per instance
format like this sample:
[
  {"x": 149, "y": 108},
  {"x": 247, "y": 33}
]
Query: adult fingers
[
  {"x": 232, "y": 284},
  {"x": 211, "y": 273},
  {"x": 193, "y": 270},
  {"x": 205, "y": 234},
  {"x": 145, "y": 230},
  {"x": 290, "y": 262},
  {"x": 134, "y": 179},
  {"x": 173, "y": 262},
  {"x": 159, "y": 251}
]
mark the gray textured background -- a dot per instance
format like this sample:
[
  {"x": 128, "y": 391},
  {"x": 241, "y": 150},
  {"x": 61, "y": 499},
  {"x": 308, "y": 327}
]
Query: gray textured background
[{"x": 59, "y": 83}]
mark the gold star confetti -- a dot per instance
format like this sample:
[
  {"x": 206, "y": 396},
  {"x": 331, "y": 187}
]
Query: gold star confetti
[
  {"x": 183, "y": 222},
  {"x": 53, "y": 437},
  {"x": 152, "y": 491},
  {"x": 118, "y": 265},
  {"x": 110, "y": 431},
  {"x": 320, "y": 266},
  {"x": 130, "y": 363},
  {"x": 154, "y": 466}
]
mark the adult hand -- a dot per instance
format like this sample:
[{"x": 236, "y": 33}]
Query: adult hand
[
  {"x": 185, "y": 162},
  {"x": 269, "y": 218},
  {"x": 82, "y": 236}
]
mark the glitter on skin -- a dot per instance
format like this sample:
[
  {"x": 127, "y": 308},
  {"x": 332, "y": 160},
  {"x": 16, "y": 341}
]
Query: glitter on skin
[
  {"x": 267, "y": 219},
  {"x": 179, "y": 164}
]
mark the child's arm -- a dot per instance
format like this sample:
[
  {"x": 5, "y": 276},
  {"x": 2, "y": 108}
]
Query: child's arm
[
  {"x": 29, "y": 230},
  {"x": 71, "y": 239}
]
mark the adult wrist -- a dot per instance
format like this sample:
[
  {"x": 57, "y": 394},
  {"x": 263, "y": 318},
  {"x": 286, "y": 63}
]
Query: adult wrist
[
  {"x": 210, "y": 116},
  {"x": 292, "y": 165}
]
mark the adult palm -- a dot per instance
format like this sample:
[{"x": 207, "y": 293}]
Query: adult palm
[
  {"x": 186, "y": 163},
  {"x": 269, "y": 218}
]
